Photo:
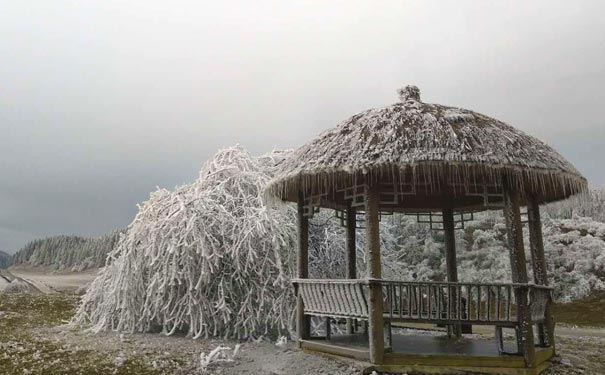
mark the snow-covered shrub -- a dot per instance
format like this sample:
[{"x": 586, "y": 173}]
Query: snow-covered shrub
[
  {"x": 575, "y": 251},
  {"x": 208, "y": 258}
]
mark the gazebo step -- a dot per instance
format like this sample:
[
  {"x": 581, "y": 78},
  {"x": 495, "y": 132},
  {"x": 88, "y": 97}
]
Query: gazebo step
[
  {"x": 359, "y": 354},
  {"x": 452, "y": 370},
  {"x": 442, "y": 356}
]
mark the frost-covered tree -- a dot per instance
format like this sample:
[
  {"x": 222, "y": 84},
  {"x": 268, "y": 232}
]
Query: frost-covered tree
[
  {"x": 5, "y": 259},
  {"x": 574, "y": 250},
  {"x": 327, "y": 248},
  {"x": 591, "y": 204},
  {"x": 208, "y": 258}
]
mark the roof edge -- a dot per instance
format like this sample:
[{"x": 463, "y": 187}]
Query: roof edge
[{"x": 552, "y": 184}]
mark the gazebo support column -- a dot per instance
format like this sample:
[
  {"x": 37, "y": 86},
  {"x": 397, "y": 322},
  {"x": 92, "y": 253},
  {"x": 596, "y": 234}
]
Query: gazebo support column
[
  {"x": 525, "y": 333},
  {"x": 536, "y": 244},
  {"x": 351, "y": 260},
  {"x": 450, "y": 264},
  {"x": 376, "y": 328},
  {"x": 303, "y": 324}
]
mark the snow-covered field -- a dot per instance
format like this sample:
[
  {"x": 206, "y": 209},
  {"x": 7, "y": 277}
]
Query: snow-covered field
[{"x": 51, "y": 282}]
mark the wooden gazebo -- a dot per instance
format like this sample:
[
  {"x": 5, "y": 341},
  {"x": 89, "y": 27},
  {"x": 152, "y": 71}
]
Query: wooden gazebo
[{"x": 440, "y": 162}]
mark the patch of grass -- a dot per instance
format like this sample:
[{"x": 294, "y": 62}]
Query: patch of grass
[
  {"x": 39, "y": 309},
  {"x": 24, "y": 351},
  {"x": 589, "y": 311}
]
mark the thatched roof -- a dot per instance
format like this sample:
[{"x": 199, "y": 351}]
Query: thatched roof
[{"x": 438, "y": 147}]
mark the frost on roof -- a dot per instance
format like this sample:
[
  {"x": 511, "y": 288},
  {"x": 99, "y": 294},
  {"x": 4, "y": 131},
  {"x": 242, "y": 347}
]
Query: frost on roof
[{"x": 417, "y": 135}]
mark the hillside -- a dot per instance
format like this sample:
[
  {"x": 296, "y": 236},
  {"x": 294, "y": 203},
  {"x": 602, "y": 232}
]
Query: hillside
[{"x": 66, "y": 253}]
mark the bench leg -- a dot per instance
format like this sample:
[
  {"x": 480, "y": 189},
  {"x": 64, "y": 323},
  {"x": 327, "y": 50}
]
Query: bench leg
[
  {"x": 520, "y": 343},
  {"x": 499, "y": 340},
  {"x": 542, "y": 340},
  {"x": 454, "y": 330},
  {"x": 389, "y": 335}
]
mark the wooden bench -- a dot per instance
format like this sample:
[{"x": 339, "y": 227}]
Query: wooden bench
[{"x": 440, "y": 303}]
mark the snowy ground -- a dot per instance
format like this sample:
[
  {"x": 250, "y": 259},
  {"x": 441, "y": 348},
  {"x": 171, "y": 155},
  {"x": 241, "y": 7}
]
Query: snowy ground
[
  {"x": 50, "y": 282},
  {"x": 180, "y": 355},
  {"x": 34, "y": 341}
]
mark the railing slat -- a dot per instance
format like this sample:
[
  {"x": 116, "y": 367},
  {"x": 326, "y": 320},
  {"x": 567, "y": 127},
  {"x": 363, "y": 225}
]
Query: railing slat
[
  {"x": 448, "y": 313},
  {"x": 498, "y": 303},
  {"x": 341, "y": 299},
  {"x": 355, "y": 298},
  {"x": 508, "y": 302},
  {"x": 419, "y": 300},
  {"x": 409, "y": 295},
  {"x": 459, "y": 303},
  {"x": 479, "y": 303},
  {"x": 401, "y": 300},
  {"x": 430, "y": 311},
  {"x": 489, "y": 303},
  {"x": 468, "y": 302}
]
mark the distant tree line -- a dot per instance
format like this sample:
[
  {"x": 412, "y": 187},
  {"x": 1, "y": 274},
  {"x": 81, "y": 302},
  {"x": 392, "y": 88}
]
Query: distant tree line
[
  {"x": 72, "y": 253},
  {"x": 5, "y": 260}
]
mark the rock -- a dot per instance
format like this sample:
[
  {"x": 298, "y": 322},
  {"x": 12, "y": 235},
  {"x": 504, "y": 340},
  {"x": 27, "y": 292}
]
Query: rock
[{"x": 18, "y": 285}]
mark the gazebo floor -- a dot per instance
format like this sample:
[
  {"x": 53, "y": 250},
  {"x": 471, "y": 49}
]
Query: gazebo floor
[{"x": 434, "y": 354}]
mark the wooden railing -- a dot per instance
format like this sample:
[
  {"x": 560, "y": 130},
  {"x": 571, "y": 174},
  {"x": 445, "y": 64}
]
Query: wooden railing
[
  {"x": 475, "y": 303},
  {"x": 431, "y": 302}
]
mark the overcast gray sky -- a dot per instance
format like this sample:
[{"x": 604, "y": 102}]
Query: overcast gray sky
[{"x": 102, "y": 101}]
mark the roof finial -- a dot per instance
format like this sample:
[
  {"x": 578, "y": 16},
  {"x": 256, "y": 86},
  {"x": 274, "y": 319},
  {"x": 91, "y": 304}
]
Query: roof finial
[{"x": 409, "y": 92}]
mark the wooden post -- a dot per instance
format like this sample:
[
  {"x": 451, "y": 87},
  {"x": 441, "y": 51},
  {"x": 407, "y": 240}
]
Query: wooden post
[
  {"x": 451, "y": 267},
  {"x": 351, "y": 263},
  {"x": 376, "y": 334},
  {"x": 525, "y": 332},
  {"x": 536, "y": 245},
  {"x": 303, "y": 326}
]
